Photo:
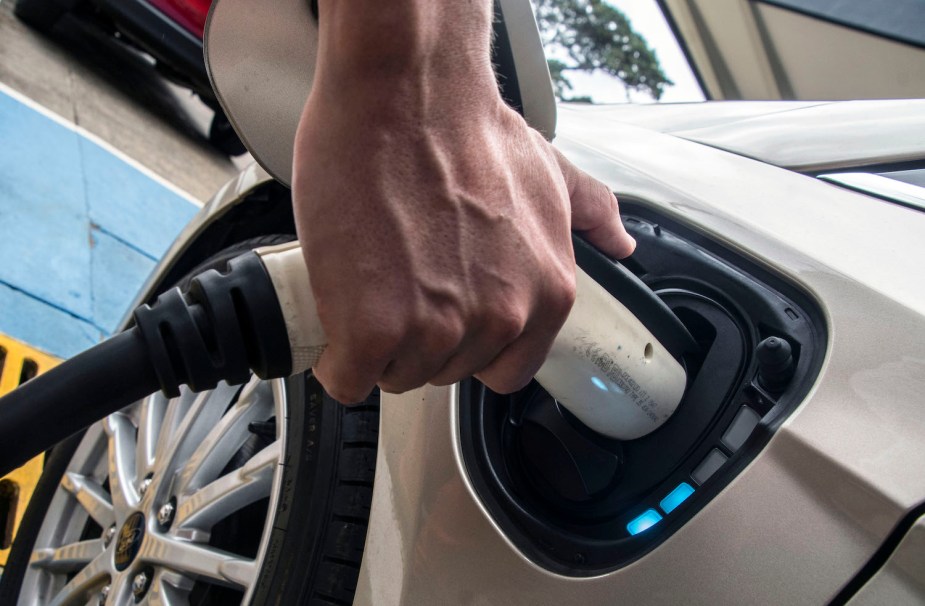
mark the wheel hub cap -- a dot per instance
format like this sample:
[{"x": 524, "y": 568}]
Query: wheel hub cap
[{"x": 129, "y": 542}]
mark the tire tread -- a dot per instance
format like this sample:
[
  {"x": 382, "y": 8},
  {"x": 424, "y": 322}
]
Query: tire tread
[{"x": 345, "y": 534}]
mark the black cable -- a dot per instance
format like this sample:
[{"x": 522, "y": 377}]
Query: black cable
[
  {"x": 71, "y": 396},
  {"x": 225, "y": 326}
]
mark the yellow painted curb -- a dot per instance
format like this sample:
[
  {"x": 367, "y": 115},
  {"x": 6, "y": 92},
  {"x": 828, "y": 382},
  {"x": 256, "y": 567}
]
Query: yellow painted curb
[{"x": 18, "y": 364}]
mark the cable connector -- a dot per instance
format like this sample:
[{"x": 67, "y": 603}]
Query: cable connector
[
  {"x": 605, "y": 366},
  {"x": 224, "y": 326},
  {"x": 286, "y": 266}
]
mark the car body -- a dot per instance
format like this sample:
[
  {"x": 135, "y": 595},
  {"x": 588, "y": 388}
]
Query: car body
[
  {"x": 837, "y": 481},
  {"x": 821, "y": 501}
]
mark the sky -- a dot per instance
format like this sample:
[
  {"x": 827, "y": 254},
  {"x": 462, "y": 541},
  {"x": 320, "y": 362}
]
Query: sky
[{"x": 647, "y": 19}]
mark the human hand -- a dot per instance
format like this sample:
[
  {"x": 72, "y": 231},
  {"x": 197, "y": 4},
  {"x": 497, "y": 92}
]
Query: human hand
[{"x": 436, "y": 228}]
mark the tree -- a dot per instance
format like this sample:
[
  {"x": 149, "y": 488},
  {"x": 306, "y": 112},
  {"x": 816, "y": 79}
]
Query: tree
[{"x": 591, "y": 35}]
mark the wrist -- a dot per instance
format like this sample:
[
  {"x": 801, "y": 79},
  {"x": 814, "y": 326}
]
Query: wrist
[{"x": 415, "y": 54}]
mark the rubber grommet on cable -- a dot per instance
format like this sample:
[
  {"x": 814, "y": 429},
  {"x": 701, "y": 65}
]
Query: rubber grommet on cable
[{"x": 226, "y": 325}]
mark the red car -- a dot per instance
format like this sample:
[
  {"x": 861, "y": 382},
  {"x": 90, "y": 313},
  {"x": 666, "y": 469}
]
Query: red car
[{"x": 170, "y": 31}]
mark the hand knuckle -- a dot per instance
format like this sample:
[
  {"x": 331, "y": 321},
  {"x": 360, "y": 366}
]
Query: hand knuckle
[
  {"x": 443, "y": 336},
  {"x": 565, "y": 294},
  {"x": 506, "y": 323},
  {"x": 376, "y": 340}
]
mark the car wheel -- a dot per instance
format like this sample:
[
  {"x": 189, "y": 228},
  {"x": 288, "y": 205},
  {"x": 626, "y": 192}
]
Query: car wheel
[
  {"x": 41, "y": 15},
  {"x": 242, "y": 494},
  {"x": 223, "y": 137}
]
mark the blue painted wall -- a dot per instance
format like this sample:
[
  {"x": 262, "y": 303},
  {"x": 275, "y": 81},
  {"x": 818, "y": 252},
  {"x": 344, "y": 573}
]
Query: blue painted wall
[{"x": 80, "y": 230}]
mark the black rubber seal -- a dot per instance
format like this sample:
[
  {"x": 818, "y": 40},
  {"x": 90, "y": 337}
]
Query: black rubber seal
[
  {"x": 642, "y": 302},
  {"x": 225, "y": 325}
]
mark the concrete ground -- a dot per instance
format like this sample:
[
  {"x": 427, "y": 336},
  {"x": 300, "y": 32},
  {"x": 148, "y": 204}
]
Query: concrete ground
[
  {"x": 102, "y": 162},
  {"x": 115, "y": 93}
]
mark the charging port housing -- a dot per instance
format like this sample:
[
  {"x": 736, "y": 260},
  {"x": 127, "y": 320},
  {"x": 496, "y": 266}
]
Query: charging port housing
[{"x": 580, "y": 504}]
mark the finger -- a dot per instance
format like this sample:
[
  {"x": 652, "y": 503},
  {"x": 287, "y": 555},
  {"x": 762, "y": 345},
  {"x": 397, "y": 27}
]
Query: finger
[
  {"x": 421, "y": 356},
  {"x": 478, "y": 350},
  {"x": 349, "y": 372},
  {"x": 595, "y": 211},
  {"x": 610, "y": 235},
  {"x": 519, "y": 362},
  {"x": 409, "y": 372}
]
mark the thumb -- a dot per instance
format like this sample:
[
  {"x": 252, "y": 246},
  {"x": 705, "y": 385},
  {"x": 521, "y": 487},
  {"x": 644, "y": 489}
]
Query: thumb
[{"x": 595, "y": 211}]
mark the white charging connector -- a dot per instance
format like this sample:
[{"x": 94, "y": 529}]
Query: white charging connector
[{"x": 605, "y": 366}]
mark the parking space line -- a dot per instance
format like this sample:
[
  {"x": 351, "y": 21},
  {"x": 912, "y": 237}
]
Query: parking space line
[{"x": 61, "y": 120}]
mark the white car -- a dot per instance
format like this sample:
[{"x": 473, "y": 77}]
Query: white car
[{"x": 784, "y": 478}]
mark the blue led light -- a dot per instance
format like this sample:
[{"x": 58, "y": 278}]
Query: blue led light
[
  {"x": 676, "y": 497},
  {"x": 599, "y": 384},
  {"x": 647, "y": 520}
]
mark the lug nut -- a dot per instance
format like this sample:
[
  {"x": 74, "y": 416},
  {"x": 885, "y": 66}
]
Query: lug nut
[
  {"x": 104, "y": 595},
  {"x": 145, "y": 484},
  {"x": 140, "y": 585},
  {"x": 109, "y": 535},
  {"x": 165, "y": 514}
]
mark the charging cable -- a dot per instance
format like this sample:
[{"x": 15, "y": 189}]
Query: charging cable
[{"x": 259, "y": 316}]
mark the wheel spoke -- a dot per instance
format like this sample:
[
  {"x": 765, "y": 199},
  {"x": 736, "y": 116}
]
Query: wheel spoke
[
  {"x": 85, "y": 583},
  {"x": 206, "y": 563},
  {"x": 162, "y": 594},
  {"x": 183, "y": 445},
  {"x": 168, "y": 589},
  {"x": 67, "y": 558},
  {"x": 177, "y": 411},
  {"x": 120, "y": 592},
  {"x": 226, "y": 438},
  {"x": 175, "y": 446},
  {"x": 226, "y": 495},
  {"x": 91, "y": 497},
  {"x": 150, "y": 419},
  {"x": 122, "y": 478}
]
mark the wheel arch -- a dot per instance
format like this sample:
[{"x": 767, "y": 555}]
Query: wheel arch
[{"x": 251, "y": 205}]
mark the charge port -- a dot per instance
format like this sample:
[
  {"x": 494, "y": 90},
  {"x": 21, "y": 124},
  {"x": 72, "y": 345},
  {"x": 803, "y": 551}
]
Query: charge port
[{"x": 578, "y": 503}]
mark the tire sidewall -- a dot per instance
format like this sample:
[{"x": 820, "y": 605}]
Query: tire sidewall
[{"x": 26, "y": 535}]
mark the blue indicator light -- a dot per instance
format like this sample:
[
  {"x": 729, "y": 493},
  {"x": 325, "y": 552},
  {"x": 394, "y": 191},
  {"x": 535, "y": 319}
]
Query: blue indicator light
[
  {"x": 676, "y": 497},
  {"x": 599, "y": 384},
  {"x": 647, "y": 520}
]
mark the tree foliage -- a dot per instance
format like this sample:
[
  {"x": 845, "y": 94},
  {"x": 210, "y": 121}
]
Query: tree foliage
[{"x": 591, "y": 35}]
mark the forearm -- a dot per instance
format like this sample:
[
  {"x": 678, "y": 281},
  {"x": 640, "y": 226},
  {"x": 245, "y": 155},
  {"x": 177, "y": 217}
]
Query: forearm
[{"x": 405, "y": 54}]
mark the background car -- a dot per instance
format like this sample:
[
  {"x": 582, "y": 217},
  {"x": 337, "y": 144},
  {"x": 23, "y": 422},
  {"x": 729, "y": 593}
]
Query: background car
[
  {"x": 170, "y": 31},
  {"x": 798, "y": 482}
]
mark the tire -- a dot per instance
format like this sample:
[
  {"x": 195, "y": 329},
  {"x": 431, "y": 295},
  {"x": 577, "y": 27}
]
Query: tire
[
  {"x": 223, "y": 137},
  {"x": 295, "y": 470},
  {"x": 41, "y": 15}
]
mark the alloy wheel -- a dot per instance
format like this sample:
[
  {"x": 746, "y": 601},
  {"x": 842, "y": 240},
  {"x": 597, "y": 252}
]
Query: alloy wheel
[{"x": 146, "y": 511}]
